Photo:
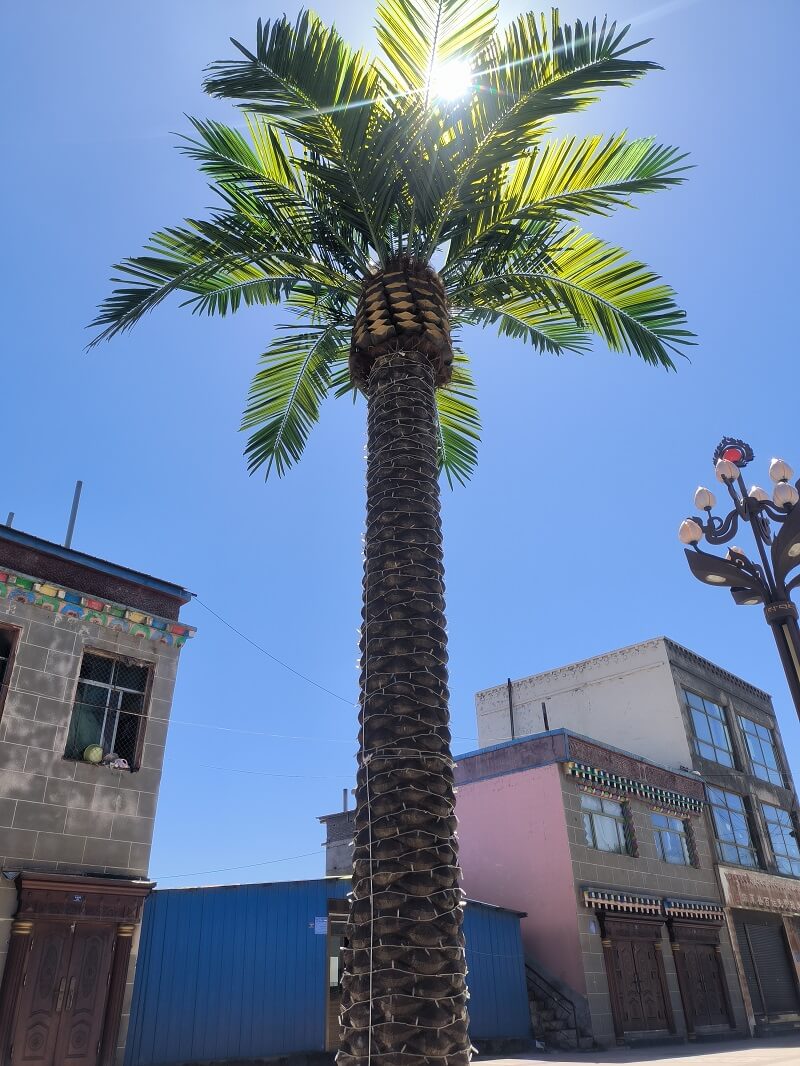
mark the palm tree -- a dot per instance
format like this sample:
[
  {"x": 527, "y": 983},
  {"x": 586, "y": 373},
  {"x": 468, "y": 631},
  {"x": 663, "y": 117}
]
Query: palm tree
[{"x": 388, "y": 201}]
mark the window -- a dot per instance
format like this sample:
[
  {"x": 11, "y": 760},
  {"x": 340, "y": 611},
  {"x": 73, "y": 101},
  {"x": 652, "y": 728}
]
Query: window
[
  {"x": 711, "y": 736},
  {"x": 109, "y": 707},
  {"x": 782, "y": 836},
  {"x": 671, "y": 842},
  {"x": 734, "y": 841},
  {"x": 763, "y": 757},
  {"x": 6, "y": 649},
  {"x": 604, "y": 824}
]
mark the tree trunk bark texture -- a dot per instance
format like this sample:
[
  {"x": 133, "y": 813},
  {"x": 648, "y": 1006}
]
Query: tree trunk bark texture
[{"x": 404, "y": 989}]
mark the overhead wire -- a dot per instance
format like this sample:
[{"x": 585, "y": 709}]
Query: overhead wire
[{"x": 228, "y": 869}]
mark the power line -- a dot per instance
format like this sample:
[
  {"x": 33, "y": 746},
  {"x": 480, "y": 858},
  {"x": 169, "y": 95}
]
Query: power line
[
  {"x": 271, "y": 773},
  {"x": 280, "y": 662},
  {"x": 228, "y": 869}
]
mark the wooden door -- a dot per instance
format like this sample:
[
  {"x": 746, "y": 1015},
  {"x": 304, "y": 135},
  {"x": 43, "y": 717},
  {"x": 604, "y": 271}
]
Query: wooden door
[
  {"x": 705, "y": 987},
  {"x": 41, "y": 998},
  {"x": 81, "y": 1024},
  {"x": 62, "y": 1002},
  {"x": 639, "y": 1000}
]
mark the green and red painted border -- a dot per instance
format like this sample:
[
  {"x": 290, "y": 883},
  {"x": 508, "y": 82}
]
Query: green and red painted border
[{"x": 74, "y": 606}]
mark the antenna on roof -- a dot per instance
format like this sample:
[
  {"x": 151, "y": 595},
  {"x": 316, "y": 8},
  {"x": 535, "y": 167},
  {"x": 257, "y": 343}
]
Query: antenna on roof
[
  {"x": 10, "y": 519},
  {"x": 76, "y": 499}
]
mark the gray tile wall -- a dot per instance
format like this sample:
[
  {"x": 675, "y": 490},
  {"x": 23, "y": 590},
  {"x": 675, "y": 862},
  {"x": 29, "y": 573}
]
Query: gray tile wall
[
  {"x": 57, "y": 814},
  {"x": 645, "y": 875}
]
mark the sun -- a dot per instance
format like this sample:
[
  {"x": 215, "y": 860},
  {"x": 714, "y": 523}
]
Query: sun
[{"x": 451, "y": 80}]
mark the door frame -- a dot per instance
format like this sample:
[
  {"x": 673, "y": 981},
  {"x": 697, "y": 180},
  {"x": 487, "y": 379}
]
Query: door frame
[
  {"x": 621, "y": 927},
  {"x": 114, "y": 903},
  {"x": 692, "y": 932}
]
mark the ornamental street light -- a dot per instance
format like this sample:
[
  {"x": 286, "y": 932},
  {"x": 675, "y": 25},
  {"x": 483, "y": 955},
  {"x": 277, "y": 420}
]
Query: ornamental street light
[{"x": 768, "y": 580}]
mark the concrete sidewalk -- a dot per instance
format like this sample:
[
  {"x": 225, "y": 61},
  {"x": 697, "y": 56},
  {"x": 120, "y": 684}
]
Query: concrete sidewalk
[{"x": 777, "y": 1051}]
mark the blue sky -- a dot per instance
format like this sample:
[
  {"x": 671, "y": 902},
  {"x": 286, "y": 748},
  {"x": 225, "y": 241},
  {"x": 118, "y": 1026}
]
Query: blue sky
[{"x": 564, "y": 544}]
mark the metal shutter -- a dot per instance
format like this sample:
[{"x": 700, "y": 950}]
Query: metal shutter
[{"x": 767, "y": 965}]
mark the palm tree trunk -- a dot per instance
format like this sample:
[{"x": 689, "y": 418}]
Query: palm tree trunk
[{"x": 404, "y": 989}]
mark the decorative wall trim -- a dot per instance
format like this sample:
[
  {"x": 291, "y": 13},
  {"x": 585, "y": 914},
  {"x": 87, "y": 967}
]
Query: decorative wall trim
[
  {"x": 679, "y": 652},
  {"x": 690, "y": 908},
  {"x": 621, "y": 901},
  {"x": 613, "y": 786},
  {"x": 626, "y": 902},
  {"x": 73, "y": 606}
]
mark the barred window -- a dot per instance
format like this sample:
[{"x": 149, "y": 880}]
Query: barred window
[
  {"x": 734, "y": 841},
  {"x": 109, "y": 708},
  {"x": 711, "y": 736},
  {"x": 671, "y": 839},
  {"x": 604, "y": 824},
  {"x": 783, "y": 838},
  {"x": 6, "y": 649},
  {"x": 761, "y": 746}
]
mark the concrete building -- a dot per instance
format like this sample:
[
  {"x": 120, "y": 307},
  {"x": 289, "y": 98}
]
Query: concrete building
[
  {"x": 672, "y": 706},
  {"x": 608, "y": 856},
  {"x": 88, "y": 658}
]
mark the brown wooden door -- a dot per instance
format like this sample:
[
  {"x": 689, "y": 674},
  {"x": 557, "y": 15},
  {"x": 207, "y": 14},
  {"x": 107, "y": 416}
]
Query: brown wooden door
[
  {"x": 42, "y": 995},
  {"x": 704, "y": 985},
  {"x": 62, "y": 1003},
  {"x": 87, "y": 987},
  {"x": 640, "y": 997}
]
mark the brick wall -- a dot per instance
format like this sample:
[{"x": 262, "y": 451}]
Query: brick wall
[{"x": 58, "y": 814}]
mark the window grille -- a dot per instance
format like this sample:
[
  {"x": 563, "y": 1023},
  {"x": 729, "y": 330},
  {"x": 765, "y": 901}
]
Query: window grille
[
  {"x": 761, "y": 747},
  {"x": 672, "y": 844},
  {"x": 734, "y": 840},
  {"x": 783, "y": 838},
  {"x": 109, "y": 707},
  {"x": 711, "y": 736},
  {"x": 605, "y": 825}
]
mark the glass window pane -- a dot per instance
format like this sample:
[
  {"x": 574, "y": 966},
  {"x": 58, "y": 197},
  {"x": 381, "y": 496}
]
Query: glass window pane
[
  {"x": 702, "y": 728},
  {"x": 610, "y": 807},
  {"x": 607, "y": 833},
  {"x": 729, "y": 853},
  {"x": 590, "y": 803},
  {"x": 587, "y": 829}
]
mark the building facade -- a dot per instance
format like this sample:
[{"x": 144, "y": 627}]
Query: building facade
[
  {"x": 88, "y": 658},
  {"x": 608, "y": 855},
  {"x": 670, "y": 705}
]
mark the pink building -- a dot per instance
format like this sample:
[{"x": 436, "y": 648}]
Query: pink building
[{"x": 608, "y": 856}]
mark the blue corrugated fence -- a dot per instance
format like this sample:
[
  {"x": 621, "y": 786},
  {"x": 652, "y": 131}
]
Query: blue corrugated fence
[{"x": 238, "y": 972}]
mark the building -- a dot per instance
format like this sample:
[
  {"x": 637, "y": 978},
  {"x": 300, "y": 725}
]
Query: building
[
  {"x": 243, "y": 973},
  {"x": 609, "y": 856},
  {"x": 672, "y": 706},
  {"x": 88, "y": 658}
]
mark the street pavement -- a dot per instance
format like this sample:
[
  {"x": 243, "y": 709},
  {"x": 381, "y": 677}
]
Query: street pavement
[{"x": 777, "y": 1051}]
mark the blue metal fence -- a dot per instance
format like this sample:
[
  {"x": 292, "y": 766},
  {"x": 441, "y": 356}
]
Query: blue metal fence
[{"x": 238, "y": 972}]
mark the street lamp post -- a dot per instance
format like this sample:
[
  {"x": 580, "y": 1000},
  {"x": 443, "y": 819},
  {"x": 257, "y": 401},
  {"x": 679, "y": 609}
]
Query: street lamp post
[{"x": 766, "y": 581}]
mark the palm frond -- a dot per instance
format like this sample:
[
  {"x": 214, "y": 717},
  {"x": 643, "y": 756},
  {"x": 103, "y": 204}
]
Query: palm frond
[
  {"x": 459, "y": 423},
  {"x": 329, "y": 98},
  {"x": 419, "y": 36},
  {"x": 563, "y": 179},
  {"x": 221, "y": 262},
  {"x": 605, "y": 292},
  {"x": 258, "y": 176},
  {"x": 535, "y": 70},
  {"x": 286, "y": 393}
]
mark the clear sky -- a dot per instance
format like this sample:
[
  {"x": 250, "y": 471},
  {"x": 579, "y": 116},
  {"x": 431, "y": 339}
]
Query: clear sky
[{"x": 563, "y": 546}]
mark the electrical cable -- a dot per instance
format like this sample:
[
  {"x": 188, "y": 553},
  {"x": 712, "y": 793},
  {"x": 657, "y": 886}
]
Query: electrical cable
[
  {"x": 228, "y": 869},
  {"x": 280, "y": 662}
]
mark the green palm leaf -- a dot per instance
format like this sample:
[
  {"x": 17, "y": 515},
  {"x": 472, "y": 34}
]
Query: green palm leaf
[
  {"x": 459, "y": 423},
  {"x": 419, "y": 36},
  {"x": 293, "y": 379}
]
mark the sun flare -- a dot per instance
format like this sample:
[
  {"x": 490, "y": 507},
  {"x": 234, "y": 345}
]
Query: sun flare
[{"x": 451, "y": 80}]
